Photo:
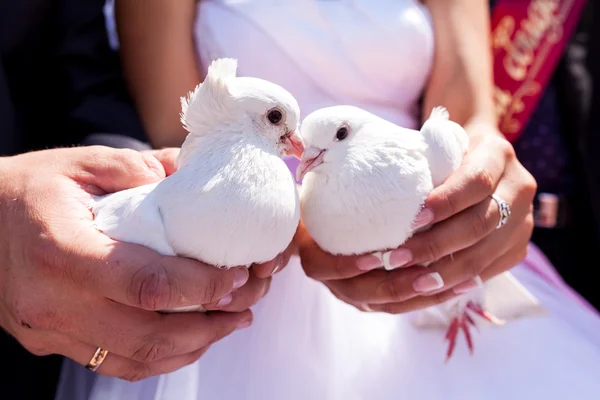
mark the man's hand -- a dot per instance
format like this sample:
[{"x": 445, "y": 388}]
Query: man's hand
[{"x": 68, "y": 289}]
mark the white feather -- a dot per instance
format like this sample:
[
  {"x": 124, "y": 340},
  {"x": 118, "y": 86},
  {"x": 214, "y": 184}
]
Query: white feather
[
  {"x": 440, "y": 112},
  {"x": 232, "y": 201}
]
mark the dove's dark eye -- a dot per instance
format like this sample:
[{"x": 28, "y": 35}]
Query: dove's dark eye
[
  {"x": 275, "y": 116},
  {"x": 341, "y": 134}
]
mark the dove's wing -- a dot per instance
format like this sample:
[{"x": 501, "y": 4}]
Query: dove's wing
[
  {"x": 446, "y": 142},
  {"x": 132, "y": 216}
]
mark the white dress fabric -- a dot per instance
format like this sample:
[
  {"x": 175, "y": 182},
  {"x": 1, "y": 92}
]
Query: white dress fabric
[{"x": 304, "y": 343}]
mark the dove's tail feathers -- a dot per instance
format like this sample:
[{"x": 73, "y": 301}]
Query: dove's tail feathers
[
  {"x": 447, "y": 143},
  {"x": 201, "y": 107},
  {"x": 439, "y": 112},
  {"x": 503, "y": 297}
]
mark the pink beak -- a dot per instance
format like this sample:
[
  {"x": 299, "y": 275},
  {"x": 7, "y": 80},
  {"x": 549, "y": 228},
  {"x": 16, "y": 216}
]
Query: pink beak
[
  {"x": 311, "y": 158},
  {"x": 294, "y": 146}
]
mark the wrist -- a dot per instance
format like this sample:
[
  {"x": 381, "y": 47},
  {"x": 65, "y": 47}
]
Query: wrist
[{"x": 482, "y": 125}]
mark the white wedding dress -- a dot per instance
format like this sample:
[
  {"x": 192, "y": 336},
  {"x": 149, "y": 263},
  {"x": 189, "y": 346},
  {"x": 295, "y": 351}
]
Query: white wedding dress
[{"x": 305, "y": 344}]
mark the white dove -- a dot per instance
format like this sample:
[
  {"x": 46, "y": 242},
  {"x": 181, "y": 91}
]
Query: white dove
[
  {"x": 365, "y": 181},
  {"x": 232, "y": 200}
]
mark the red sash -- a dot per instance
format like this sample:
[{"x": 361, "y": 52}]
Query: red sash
[{"x": 528, "y": 39}]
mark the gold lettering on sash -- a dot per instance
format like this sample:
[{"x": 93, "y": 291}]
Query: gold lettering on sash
[
  {"x": 512, "y": 104},
  {"x": 526, "y": 49},
  {"x": 520, "y": 51}
]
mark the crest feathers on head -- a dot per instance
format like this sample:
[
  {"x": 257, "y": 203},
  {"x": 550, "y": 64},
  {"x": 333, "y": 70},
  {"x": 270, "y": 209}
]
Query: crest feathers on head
[
  {"x": 222, "y": 68},
  {"x": 208, "y": 97},
  {"x": 440, "y": 112}
]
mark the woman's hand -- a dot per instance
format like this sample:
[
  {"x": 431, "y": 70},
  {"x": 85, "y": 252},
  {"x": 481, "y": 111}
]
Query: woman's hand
[{"x": 462, "y": 243}]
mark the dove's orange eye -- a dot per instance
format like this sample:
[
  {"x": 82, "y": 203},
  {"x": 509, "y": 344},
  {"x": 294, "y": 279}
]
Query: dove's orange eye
[
  {"x": 341, "y": 134},
  {"x": 275, "y": 116}
]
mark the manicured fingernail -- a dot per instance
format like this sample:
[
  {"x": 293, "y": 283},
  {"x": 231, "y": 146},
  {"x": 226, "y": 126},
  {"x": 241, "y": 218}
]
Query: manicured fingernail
[
  {"x": 467, "y": 286},
  {"x": 369, "y": 262},
  {"x": 241, "y": 277},
  {"x": 225, "y": 300},
  {"x": 464, "y": 287},
  {"x": 244, "y": 324},
  {"x": 423, "y": 218},
  {"x": 428, "y": 282},
  {"x": 396, "y": 258}
]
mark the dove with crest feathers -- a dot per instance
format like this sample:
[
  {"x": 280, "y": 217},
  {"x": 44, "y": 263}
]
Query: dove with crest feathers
[
  {"x": 232, "y": 200},
  {"x": 365, "y": 180}
]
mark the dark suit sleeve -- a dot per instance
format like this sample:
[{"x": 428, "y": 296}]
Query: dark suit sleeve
[
  {"x": 90, "y": 74},
  {"x": 7, "y": 124}
]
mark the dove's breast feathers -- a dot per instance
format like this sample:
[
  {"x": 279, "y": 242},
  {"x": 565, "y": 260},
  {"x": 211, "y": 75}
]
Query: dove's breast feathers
[
  {"x": 235, "y": 204},
  {"x": 372, "y": 200}
]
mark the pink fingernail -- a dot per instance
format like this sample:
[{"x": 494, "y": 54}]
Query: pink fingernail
[
  {"x": 225, "y": 300},
  {"x": 423, "y": 218},
  {"x": 464, "y": 287},
  {"x": 467, "y": 286},
  {"x": 244, "y": 324},
  {"x": 241, "y": 277},
  {"x": 428, "y": 282},
  {"x": 368, "y": 263},
  {"x": 397, "y": 258}
]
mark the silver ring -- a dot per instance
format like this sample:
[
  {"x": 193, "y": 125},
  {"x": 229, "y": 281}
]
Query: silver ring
[{"x": 504, "y": 210}]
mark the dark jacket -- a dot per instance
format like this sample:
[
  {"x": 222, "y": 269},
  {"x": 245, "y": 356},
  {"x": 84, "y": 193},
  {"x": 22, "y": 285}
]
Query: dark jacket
[
  {"x": 59, "y": 81},
  {"x": 577, "y": 80}
]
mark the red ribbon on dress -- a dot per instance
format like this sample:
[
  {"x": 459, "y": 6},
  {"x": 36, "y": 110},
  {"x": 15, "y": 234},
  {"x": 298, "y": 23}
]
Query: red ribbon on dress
[{"x": 528, "y": 40}]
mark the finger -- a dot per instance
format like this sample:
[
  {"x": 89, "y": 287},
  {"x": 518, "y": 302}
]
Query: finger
[
  {"x": 139, "y": 277},
  {"x": 456, "y": 233},
  {"x": 500, "y": 265},
  {"x": 320, "y": 265},
  {"x": 276, "y": 265},
  {"x": 473, "y": 181},
  {"x": 378, "y": 286},
  {"x": 139, "y": 335},
  {"x": 244, "y": 297},
  {"x": 167, "y": 157},
  {"x": 465, "y": 265},
  {"x": 286, "y": 256},
  {"x": 113, "y": 170},
  {"x": 127, "y": 369},
  {"x": 43, "y": 343},
  {"x": 265, "y": 270}
]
